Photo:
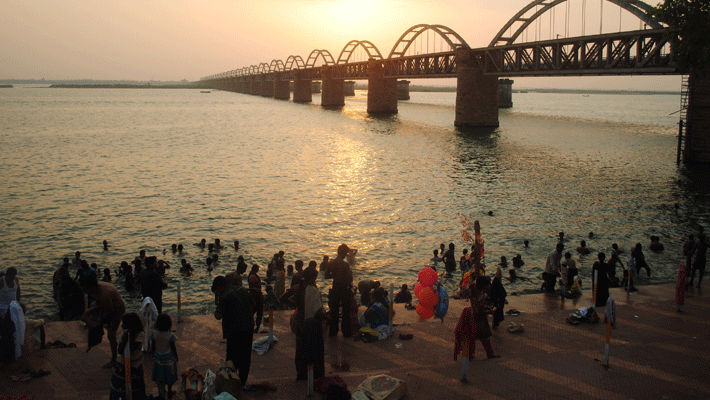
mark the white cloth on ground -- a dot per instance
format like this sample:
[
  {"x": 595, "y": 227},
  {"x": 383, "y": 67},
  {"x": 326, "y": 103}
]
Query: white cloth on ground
[
  {"x": 18, "y": 318},
  {"x": 261, "y": 345},
  {"x": 384, "y": 331}
]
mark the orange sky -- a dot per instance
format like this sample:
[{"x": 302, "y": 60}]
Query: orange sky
[{"x": 190, "y": 39}]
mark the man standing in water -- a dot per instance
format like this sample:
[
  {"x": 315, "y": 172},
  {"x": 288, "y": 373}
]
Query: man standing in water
[
  {"x": 552, "y": 268},
  {"x": 340, "y": 295}
]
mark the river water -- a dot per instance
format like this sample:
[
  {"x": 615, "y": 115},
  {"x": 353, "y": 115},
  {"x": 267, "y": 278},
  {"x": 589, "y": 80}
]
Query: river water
[{"x": 146, "y": 168}]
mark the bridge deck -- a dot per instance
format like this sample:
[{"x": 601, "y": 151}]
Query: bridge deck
[{"x": 655, "y": 353}]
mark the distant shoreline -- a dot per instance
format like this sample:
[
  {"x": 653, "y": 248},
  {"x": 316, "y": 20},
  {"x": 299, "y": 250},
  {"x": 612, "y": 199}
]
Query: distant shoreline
[
  {"x": 412, "y": 88},
  {"x": 121, "y": 86}
]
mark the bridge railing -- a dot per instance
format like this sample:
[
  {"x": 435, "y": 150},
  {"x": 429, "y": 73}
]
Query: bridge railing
[
  {"x": 435, "y": 65},
  {"x": 645, "y": 51}
]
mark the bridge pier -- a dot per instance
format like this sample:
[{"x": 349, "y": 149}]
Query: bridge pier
[
  {"x": 697, "y": 130},
  {"x": 349, "y": 88},
  {"x": 267, "y": 85},
  {"x": 315, "y": 87},
  {"x": 260, "y": 83},
  {"x": 333, "y": 89},
  {"x": 282, "y": 90},
  {"x": 476, "y": 93},
  {"x": 302, "y": 88},
  {"x": 505, "y": 93},
  {"x": 252, "y": 84},
  {"x": 403, "y": 90},
  {"x": 381, "y": 91},
  {"x": 242, "y": 85}
]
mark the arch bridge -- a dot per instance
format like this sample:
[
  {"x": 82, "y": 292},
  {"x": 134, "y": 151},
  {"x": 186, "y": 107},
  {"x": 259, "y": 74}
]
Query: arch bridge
[{"x": 477, "y": 70}]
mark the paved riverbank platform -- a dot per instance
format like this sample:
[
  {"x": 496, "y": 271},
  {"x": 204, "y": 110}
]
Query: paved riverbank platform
[{"x": 655, "y": 353}]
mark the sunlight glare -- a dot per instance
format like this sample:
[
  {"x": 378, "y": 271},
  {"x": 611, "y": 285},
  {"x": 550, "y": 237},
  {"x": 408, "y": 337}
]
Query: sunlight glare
[{"x": 355, "y": 12}]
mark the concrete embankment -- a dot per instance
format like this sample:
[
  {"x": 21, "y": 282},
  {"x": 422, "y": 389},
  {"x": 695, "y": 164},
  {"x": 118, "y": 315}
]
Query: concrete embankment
[{"x": 655, "y": 353}]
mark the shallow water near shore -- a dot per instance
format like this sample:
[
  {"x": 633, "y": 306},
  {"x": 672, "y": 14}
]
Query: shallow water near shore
[{"x": 145, "y": 169}]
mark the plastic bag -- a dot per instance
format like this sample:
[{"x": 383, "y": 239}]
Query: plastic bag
[
  {"x": 261, "y": 345},
  {"x": 225, "y": 396},
  {"x": 210, "y": 391}
]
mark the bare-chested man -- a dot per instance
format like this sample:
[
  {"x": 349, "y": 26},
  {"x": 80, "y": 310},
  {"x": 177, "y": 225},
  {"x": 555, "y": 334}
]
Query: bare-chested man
[
  {"x": 112, "y": 306},
  {"x": 340, "y": 295}
]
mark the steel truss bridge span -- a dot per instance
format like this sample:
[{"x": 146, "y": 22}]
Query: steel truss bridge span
[{"x": 626, "y": 53}]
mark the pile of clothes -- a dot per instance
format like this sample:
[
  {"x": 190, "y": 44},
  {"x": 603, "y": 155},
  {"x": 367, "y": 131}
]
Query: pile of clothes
[{"x": 583, "y": 315}]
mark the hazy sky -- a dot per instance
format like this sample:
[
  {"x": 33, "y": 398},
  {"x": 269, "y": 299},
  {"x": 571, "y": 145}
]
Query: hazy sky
[{"x": 190, "y": 39}]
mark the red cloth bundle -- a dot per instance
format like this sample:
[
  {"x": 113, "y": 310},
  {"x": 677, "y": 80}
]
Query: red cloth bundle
[{"x": 465, "y": 332}]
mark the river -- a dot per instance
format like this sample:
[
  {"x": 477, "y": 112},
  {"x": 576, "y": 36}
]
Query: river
[{"x": 146, "y": 168}]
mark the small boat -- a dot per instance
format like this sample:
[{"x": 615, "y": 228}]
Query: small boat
[{"x": 205, "y": 91}]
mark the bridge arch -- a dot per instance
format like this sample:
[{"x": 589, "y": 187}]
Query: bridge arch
[
  {"x": 372, "y": 52},
  {"x": 635, "y": 7},
  {"x": 264, "y": 68},
  {"x": 313, "y": 57},
  {"x": 253, "y": 69},
  {"x": 291, "y": 60},
  {"x": 276, "y": 66},
  {"x": 453, "y": 39}
]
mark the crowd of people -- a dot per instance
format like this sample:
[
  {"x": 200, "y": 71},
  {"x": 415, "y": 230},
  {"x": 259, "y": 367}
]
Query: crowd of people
[{"x": 242, "y": 298}]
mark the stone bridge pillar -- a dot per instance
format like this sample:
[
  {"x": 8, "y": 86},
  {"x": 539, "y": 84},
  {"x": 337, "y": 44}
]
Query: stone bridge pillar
[
  {"x": 333, "y": 89},
  {"x": 403, "y": 90},
  {"x": 250, "y": 84},
  {"x": 381, "y": 91},
  {"x": 242, "y": 85},
  {"x": 697, "y": 129},
  {"x": 281, "y": 87},
  {"x": 302, "y": 91},
  {"x": 349, "y": 88},
  {"x": 476, "y": 94},
  {"x": 257, "y": 84},
  {"x": 505, "y": 93},
  {"x": 267, "y": 85}
]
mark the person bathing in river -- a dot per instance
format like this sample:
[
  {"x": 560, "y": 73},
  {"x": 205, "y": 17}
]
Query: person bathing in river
[
  {"x": 351, "y": 256},
  {"x": 656, "y": 244},
  {"x": 436, "y": 259},
  {"x": 569, "y": 270},
  {"x": 513, "y": 276},
  {"x": 640, "y": 259},
  {"x": 450, "y": 259},
  {"x": 552, "y": 268},
  {"x": 583, "y": 249}
]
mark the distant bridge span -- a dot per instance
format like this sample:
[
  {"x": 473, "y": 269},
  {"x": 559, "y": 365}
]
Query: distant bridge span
[{"x": 637, "y": 52}]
